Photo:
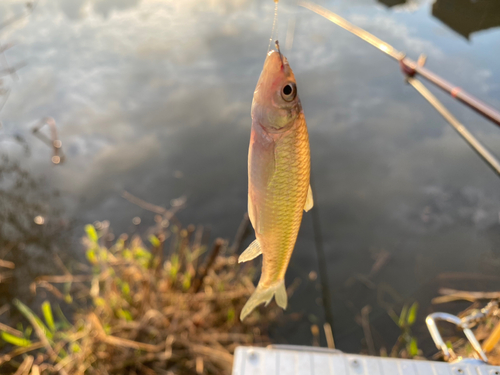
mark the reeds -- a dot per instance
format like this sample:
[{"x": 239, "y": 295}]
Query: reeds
[
  {"x": 484, "y": 320},
  {"x": 141, "y": 313}
]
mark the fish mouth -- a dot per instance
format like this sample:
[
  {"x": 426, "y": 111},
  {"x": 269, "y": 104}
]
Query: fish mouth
[{"x": 275, "y": 61}]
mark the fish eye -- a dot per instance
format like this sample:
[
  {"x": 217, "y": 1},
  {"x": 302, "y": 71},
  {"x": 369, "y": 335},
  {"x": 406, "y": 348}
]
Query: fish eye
[{"x": 288, "y": 92}]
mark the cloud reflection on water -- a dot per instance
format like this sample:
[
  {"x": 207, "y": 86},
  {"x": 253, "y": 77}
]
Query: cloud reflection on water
[{"x": 142, "y": 89}]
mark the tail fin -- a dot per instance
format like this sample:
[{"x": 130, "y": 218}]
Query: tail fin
[{"x": 263, "y": 294}]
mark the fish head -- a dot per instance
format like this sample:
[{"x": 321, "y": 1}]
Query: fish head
[{"x": 276, "y": 104}]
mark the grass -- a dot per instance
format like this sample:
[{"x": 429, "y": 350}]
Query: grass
[{"x": 140, "y": 308}]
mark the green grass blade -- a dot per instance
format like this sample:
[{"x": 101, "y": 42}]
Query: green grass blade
[
  {"x": 14, "y": 340},
  {"x": 65, "y": 324},
  {"x": 91, "y": 233},
  {"x": 412, "y": 314},
  {"x": 30, "y": 315},
  {"x": 27, "y": 332},
  {"x": 154, "y": 241},
  {"x": 413, "y": 347},
  {"x": 47, "y": 314}
]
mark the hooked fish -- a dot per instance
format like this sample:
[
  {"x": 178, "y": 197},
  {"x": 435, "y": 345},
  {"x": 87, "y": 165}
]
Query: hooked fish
[{"x": 278, "y": 177}]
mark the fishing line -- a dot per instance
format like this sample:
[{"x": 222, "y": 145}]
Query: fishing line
[{"x": 275, "y": 20}]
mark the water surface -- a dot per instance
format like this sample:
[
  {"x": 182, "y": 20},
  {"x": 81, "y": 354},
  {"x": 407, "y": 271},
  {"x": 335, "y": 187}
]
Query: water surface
[{"x": 153, "y": 97}]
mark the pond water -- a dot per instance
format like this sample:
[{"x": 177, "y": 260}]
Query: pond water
[{"x": 153, "y": 97}]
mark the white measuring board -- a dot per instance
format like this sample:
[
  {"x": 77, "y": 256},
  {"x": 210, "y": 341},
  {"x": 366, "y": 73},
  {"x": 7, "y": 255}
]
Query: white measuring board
[{"x": 300, "y": 360}]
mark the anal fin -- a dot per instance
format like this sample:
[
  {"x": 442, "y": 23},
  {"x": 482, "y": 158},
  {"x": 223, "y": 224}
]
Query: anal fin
[
  {"x": 309, "y": 200},
  {"x": 252, "y": 251}
]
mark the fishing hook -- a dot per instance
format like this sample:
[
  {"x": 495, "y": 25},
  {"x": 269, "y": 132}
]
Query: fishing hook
[{"x": 277, "y": 44}]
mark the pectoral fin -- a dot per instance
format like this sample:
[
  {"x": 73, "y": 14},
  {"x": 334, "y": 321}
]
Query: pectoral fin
[
  {"x": 252, "y": 251},
  {"x": 309, "y": 200}
]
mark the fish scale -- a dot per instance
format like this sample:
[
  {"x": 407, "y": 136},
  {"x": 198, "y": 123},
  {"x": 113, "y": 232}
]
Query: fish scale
[
  {"x": 285, "y": 196},
  {"x": 278, "y": 171}
]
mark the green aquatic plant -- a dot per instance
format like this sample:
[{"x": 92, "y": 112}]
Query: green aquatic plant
[{"x": 406, "y": 345}]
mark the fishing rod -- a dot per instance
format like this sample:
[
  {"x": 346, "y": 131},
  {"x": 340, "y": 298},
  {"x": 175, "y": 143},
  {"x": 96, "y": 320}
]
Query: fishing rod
[
  {"x": 411, "y": 68},
  {"x": 408, "y": 66},
  {"x": 477, "y": 146}
]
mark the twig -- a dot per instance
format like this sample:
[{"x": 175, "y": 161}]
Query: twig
[
  {"x": 5, "y": 47},
  {"x": 5, "y": 96},
  {"x": 466, "y": 276},
  {"x": 61, "y": 265},
  {"x": 7, "y": 264},
  {"x": 315, "y": 333},
  {"x": 64, "y": 279},
  {"x": 329, "y": 336},
  {"x": 117, "y": 341},
  {"x": 492, "y": 340},
  {"x": 46, "y": 285},
  {"x": 381, "y": 259},
  {"x": 203, "y": 273},
  {"x": 12, "y": 331},
  {"x": 290, "y": 290},
  {"x": 218, "y": 356},
  {"x": 365, "y": 322},
  {"x": 25, "y": 366},
  {"x": 10, "y": 21},
  {"x": 4, "y": 309},
  {"x": 7, "y": 357},
  {"x": 54, "y": 142},
  {"x": 199, "y": 365},
  {"x": 240, "y": 234},
  {"x": 11, "y": 69},
  {"x": 148, "y": 357},
  {"x": 454, "y": 295},
  {"x": 149, "y": 206},
  {"x": 395, "y": 348},
  {"x": 143, "y": 204},
  {"x": 125, "y": 343},
  {"x": 5, "y": 276}
]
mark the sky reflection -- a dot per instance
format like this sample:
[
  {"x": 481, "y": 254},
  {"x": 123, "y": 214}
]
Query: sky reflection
[{"x": 142, "y": 90}]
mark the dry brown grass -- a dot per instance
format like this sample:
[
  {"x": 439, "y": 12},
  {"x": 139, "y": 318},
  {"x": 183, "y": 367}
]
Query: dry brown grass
[
  {"x": 484, "y": 321},
  {"x": 145, "y": 314}
]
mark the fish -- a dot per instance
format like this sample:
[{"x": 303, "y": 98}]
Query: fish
[{"x": 279, "y": 167}]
